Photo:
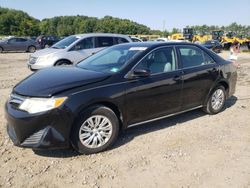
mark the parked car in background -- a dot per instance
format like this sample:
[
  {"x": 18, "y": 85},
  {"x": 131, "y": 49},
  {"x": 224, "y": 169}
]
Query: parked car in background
[
  {"x": 162, "y": 39},
  {"x": 169, "y": 40},
  {"x": 18, "y": 44},
  {"x": 119, "y": 87},
  {"x": 73, "y": 49},
  {"x": 213, "y": 45},
  {"x": 47, "y": 41},
  {"x": 136, "y": 39}
]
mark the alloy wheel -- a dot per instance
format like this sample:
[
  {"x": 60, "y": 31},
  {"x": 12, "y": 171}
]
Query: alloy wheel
[
  {"x": 218, "y": 98},
  {"x": 95, "y": 131}
]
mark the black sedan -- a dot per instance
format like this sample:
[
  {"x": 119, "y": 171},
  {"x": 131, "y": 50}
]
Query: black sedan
[
  {"x": 213, "y": 45},
  {"x": 119, "y": 87},
  {"x": 18, "y": 44}
]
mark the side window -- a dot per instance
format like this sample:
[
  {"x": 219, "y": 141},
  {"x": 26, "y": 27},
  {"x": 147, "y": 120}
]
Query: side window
[
  {"x": 104, "y": 41},
  {"x": 21, "y": 40},
  {"x": 85, "y": 44},
  {"x": 122, "y": 40},
  {"x": 192, "y": 57},
  {"x": 207, "y": 59},
  {"x": 13, "y": 40},
  {"x": 159, "y": 61}
]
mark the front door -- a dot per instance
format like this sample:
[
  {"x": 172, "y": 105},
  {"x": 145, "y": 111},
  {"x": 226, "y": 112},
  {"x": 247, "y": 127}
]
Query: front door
[
  {"x": 158, "y": 94},
  {"x": 81, "y": 50}
]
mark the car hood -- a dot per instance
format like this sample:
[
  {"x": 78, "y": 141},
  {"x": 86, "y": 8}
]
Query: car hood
[
  {"x": 48, "y": 82},
  {"x": 46, "y": 51}
]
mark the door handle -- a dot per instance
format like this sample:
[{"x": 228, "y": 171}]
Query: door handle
[
  {"x": 177, "y": 78},
  {"x": 214, "y": 70}
]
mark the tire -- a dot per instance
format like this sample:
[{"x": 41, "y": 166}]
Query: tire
[
  {"x": 216, "y": 100},
  {"x": 96, "y": 137},
  {"x": 46, "y": 46},
  {"x": 31, "y": 49},
  {"x": 1, "y": 49},
  {"x": 62, "y": 62}
]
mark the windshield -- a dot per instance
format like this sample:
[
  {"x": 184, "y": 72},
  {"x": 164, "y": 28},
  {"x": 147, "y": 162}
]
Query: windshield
[
  {"x": 65, "y": 42},
  {"x": 111, "y": 60}
]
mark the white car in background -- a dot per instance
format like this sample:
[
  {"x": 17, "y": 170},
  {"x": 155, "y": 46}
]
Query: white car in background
[
  {"x": 169, "y": 40},
  {"x": 162, "y": 39},
  {"x": 73, "y": 49},
  {"x": 136, "y": 39}
]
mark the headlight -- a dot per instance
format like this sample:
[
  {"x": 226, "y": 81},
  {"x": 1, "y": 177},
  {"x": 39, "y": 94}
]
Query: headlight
[
  {"x": 35, "y": 105},
  {"x": 44, "y": 58}
]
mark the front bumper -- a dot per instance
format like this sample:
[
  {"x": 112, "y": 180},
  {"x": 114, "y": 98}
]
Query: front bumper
[
  {"x": 34, "y": 63},
  {"x": 38, "y": 66},
  {"x": 47, "y": 130}
]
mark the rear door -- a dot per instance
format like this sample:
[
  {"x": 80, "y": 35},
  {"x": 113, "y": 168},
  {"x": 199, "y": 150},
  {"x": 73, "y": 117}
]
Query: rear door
[
  {"x": 21, "y": 44},
  {"x": 200, "y": 72}
]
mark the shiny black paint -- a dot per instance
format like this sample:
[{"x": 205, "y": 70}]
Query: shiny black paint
[
  {"x": 133, "y": 99},
  {"x": 154, "y": 96}
]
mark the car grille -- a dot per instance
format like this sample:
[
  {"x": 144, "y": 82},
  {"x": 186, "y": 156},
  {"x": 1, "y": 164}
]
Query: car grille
[
  {"x": 32, "y": 60},
  {"x": 16, "y": 100}
]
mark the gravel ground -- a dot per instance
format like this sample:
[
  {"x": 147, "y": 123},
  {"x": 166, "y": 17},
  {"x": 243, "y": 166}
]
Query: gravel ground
[{"x": 189, "y": 150}]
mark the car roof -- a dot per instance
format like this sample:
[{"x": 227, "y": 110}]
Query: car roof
[
  {"x": 152, "y": 44},
  {"x": 99, "y": 34}
]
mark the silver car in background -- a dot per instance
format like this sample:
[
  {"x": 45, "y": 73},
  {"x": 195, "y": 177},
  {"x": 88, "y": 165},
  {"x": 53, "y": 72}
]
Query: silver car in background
[{"x": 73, "y": 49}]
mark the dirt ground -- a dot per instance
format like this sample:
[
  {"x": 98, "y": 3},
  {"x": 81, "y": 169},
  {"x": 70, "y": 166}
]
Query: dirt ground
[{"x": 189, "y": 150}]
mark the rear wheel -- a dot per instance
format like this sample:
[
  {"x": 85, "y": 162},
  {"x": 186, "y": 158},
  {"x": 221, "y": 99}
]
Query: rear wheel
[
  {"x": 216, "y": 101},
  {"x": 95, "y": 130},
  {"x": 1, "y": 49},
  {"x": 31, "y": 49}
]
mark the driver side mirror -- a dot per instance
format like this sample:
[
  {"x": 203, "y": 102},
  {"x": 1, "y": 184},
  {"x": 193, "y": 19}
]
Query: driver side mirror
[
  {"x": 77, "y": 47},
  {"x": 141, "y": 73}
]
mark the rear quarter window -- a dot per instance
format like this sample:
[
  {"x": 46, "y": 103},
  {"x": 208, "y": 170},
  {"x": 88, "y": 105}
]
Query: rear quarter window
[{"x": 193, "y": 57}]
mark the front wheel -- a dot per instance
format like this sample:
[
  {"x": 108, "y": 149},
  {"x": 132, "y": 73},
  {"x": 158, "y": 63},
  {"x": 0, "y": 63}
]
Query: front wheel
[
  {"x": 96, "y": 129},
  {"x": 1, "y": 49},
  {"x": 62, "y": 63},
  {"x": 216, "y": 101}
]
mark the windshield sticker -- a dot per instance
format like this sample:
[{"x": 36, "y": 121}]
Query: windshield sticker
[{"x": 137, "y": 48}]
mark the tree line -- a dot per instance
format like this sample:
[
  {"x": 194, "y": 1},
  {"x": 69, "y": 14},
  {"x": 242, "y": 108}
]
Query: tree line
[{"x": 19, "y": 23}]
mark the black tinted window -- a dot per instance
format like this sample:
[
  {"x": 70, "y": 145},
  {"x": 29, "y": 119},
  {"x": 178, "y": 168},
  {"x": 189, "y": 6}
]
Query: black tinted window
[
  {"x": 104, "y": 41},
  {"x": 161, "y": 60},
  {"x": 21, "y": 40},
  {"x": 122, "y": 40},
  {"x": 192, "y": 56},
  {"x": 12, "y": 40}
]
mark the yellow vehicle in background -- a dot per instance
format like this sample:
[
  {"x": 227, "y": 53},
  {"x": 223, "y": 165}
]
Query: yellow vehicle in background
[
  {"x": 227, "y": 39},
  {"x": 190, "y": 35},
  {"x": 201, "y": 38},
  {"x": 177, "y": 36}
]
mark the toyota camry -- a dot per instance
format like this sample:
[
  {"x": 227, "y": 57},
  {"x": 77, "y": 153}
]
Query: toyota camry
[{"x": 87, "y": 105}]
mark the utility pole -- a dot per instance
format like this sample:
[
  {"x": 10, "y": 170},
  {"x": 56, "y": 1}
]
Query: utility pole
[{"x": 164, "y": 28}]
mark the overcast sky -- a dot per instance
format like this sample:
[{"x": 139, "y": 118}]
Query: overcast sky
[{"x": 153, "y": 13}]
